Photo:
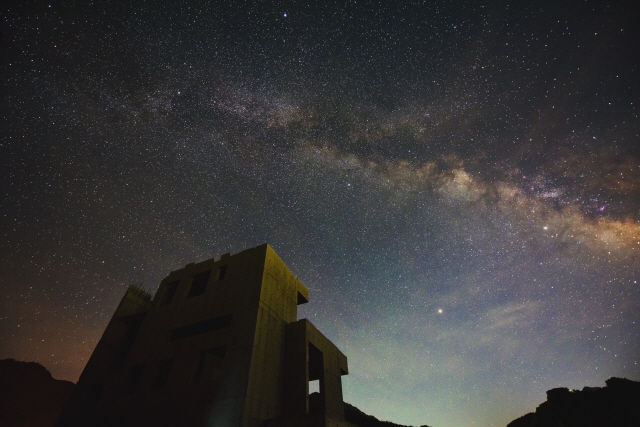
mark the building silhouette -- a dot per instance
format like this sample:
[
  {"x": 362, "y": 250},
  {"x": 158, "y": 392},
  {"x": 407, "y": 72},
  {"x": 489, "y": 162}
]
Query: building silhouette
[{"x": 218, "y": 345}]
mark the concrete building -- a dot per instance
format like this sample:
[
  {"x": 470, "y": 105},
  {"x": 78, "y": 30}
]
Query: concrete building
[{"x": 218, "y": 345}]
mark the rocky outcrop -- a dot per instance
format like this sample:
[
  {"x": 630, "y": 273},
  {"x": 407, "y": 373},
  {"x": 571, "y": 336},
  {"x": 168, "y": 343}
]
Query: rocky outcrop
[
  {"x": 359, "y": 418},
  {"x": 616, "y": 405},
  {"x": 29, "y": 395},
  {"x": 355, "y": 415}
]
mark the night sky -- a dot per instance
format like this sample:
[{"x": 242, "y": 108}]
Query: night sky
[{"x": 457, "y": 183}]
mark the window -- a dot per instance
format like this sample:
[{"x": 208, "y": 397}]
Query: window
[
  {"x": 199, "y": 284},
  {"x": 134, "y": 378},
  {"x": 316, "y": 363},
  {"x": 302, "y": 299},
  {"x": 133, "y": 323},
  {"x": 94, "y": 391},
  {"x": 316, "y": 375},
  {"x": 222, "y": 272},
  {"x": 170, "y": 292},
  {"x": 162, "y": 375},
  {"x": 202, "y": 327},
  {"x": 209, "y": 365}
]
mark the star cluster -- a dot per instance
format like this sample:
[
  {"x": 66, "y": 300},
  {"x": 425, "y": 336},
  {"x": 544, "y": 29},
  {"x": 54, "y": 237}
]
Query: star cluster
[{"x": 457, "y": 184}]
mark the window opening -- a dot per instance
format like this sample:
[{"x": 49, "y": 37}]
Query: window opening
[
  {"x": 170, "y": 292},
  {"x": 134, "y": 378},
  {"x": 222, "y": 272},
  {"x": 162, "y": 375},
  {"x": 210, "y": 365},
  {"x": 316, "y": 375},
  {"x": 133, "y": 323},
  {"x": 202, "y": 327},
  {"x": 199, "y": 284},
  {"x": 94, "y": 391}
]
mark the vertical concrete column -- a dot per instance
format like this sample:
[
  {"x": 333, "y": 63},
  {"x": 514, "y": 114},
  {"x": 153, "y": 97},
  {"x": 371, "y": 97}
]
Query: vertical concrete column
[
  {"x": 316, "y": 372},
  {"x": 333, "y": 383},
  {"x": 295, "y": 393}
]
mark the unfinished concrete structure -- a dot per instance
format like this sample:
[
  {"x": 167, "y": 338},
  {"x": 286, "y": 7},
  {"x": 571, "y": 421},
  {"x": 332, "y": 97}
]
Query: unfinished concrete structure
[{"x": 218, "y": 345}]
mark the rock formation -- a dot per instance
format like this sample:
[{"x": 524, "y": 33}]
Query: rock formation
[
  {"x": 29, "y": 395},
  {"x": 616, "y": 405}
]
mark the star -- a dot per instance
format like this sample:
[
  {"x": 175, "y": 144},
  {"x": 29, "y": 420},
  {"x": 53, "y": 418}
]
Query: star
[{"x": 392, "y": 161}]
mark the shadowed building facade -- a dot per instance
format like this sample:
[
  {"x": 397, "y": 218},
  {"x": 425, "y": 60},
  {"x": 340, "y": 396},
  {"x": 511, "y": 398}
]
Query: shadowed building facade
[{"x": 218, "y": 345}]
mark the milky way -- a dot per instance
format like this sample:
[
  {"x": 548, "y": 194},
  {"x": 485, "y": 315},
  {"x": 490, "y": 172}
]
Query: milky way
[{"x": 458, "y": 185}]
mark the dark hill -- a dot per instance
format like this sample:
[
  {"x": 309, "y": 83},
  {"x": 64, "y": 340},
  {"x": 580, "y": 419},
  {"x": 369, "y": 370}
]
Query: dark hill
[
  {"x": 616, "y": 405},
  {"x": 355, "y": 415},
  {"x": 29, "y": 395},
  {"x": 359, "y": 418}
]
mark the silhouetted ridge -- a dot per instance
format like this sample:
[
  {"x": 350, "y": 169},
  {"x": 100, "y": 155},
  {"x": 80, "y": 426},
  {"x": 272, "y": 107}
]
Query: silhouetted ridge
[
  {"x": 29, "y": 395},
  {"x": 615, "y": 405},
  {"x": 355, "y": 415}
]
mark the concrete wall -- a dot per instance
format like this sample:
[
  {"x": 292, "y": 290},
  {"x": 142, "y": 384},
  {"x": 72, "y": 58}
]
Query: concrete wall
[
  {"x": 219, "y": 345},
  {"x": 110, "y": 353},
  {"x": 280, "y": 293},
  {"x": 309, "y": 355}
]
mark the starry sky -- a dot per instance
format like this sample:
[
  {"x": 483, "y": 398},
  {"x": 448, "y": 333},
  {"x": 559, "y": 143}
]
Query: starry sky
[{"x": 457, "y": 183}]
